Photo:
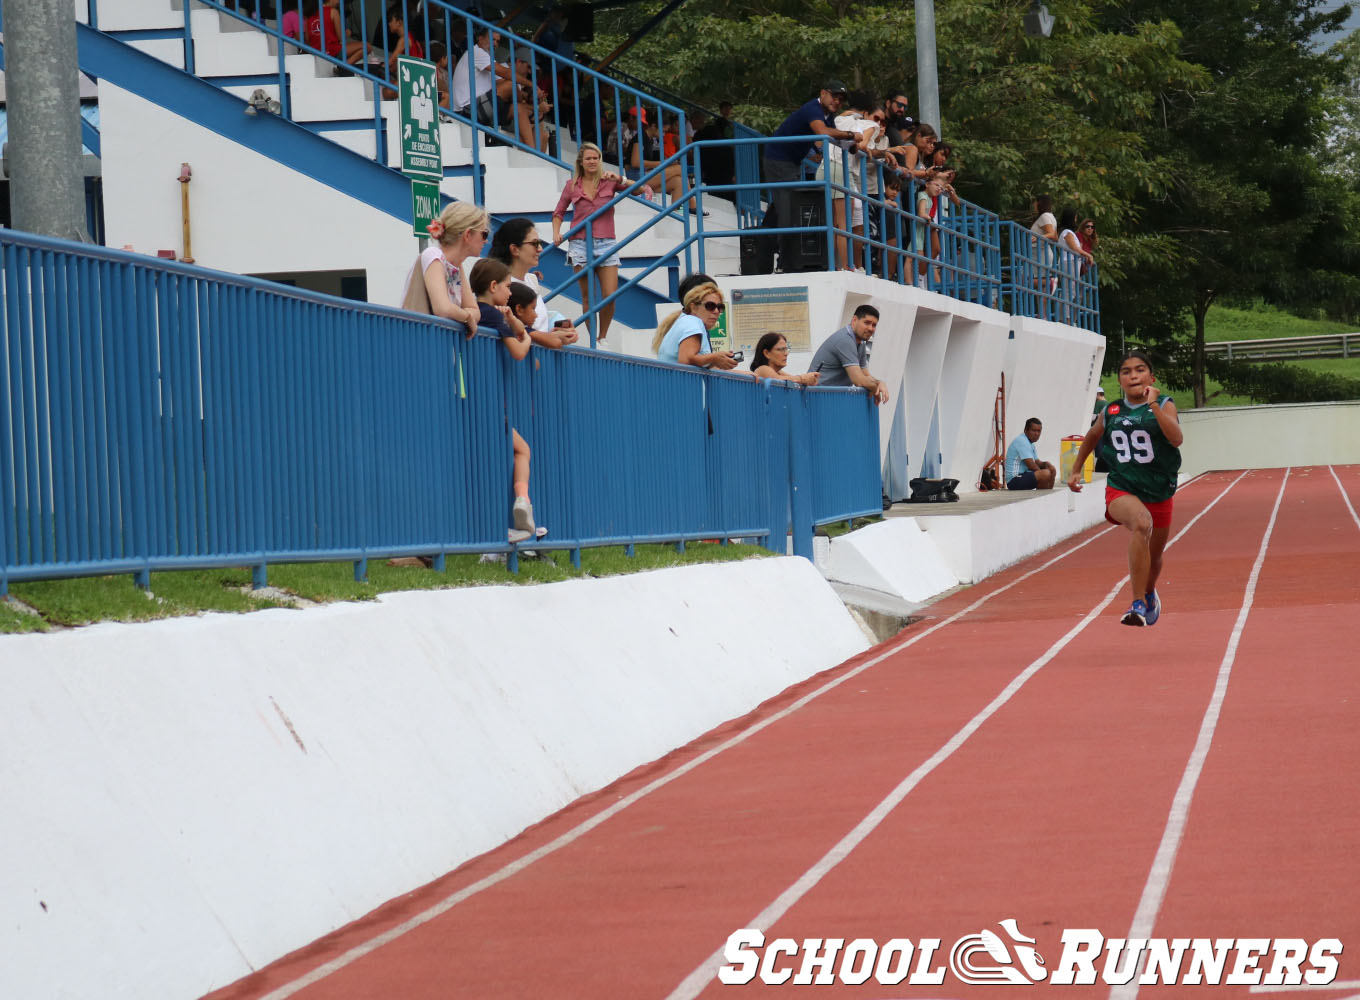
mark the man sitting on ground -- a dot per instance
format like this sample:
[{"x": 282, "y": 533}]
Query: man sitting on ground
[
  {"x": 843, "y": 358},
  {"x": 1024, "y": 471}
]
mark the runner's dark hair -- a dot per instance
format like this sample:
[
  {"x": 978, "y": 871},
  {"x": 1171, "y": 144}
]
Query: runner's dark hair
[{"x": 1139, "y": 354}]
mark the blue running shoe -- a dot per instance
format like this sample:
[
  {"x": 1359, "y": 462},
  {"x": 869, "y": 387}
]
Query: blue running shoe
[
  {"x": 1154, "y": 607},
  {"x": 1136, "y": 615}
]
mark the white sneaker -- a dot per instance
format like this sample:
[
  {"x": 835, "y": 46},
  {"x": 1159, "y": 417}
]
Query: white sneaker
[
  {"x": 516, "y": 536},
  {"x": 523, "y": 515}
]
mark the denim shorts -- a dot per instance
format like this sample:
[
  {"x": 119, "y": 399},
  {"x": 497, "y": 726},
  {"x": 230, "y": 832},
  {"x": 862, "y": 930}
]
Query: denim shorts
[{"x": 604, "y": 253}]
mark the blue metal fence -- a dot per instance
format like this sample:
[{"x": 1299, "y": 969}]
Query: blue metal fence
[
  {"x": 964, "y": 251},
  {"x": 155, "y": 415},
  {"x": 1046, "y": 280}
]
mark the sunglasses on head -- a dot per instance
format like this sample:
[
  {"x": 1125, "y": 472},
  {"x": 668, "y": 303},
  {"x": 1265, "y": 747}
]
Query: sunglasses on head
[{"x": 716, "y": 307}]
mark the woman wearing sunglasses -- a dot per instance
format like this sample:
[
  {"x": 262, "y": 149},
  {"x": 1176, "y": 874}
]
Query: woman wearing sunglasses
[
  {"x": 517, "y": 246},
  {"x": 682, "y": 337},
  {"x": 438, "y": 282},
  {"x": 772, "y": 356},
  {"x": 1086, "y": 235}
]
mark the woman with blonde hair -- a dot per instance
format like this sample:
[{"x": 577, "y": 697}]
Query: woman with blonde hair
[
  {"x": 682, "y": 337},
  {"x": 592, "y": 187},
  {"x": 438, "y": 282}
]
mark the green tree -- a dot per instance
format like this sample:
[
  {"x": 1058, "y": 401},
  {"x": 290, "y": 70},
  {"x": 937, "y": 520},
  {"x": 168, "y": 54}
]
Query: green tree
[
  {"x": 1341, "y": 151},
  {"x": 1193, "y": 132},
  {"x": 1243, "y": 191}
]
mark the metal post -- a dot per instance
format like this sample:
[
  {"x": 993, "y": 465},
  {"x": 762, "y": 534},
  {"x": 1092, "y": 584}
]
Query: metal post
[
  {"x": 927, "y": 76},
  {"x": 47, "y": 182}
]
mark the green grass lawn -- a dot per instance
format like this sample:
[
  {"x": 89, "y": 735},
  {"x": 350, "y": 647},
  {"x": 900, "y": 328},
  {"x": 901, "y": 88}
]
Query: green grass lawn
[
  {"x": 1259, "y": 321},
  {"x": 39, "y": 606},
  {"x": 1253, "y": 322}
]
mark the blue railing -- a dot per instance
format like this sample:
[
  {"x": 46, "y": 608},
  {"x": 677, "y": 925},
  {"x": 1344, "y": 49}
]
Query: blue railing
[
  {"x": 582, "y": 101},
  {"x": 155, "y": 415},
  {"x": 957, "y": 253},
  {"x": 1046, "y": 280}
]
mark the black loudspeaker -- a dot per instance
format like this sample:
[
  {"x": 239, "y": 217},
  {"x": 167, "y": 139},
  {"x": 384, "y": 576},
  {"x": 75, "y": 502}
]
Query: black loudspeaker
[
  {"x": 580, "y": 23},
  {"x": 805, "y": 251},
  {"x": 757, "y": 255}
]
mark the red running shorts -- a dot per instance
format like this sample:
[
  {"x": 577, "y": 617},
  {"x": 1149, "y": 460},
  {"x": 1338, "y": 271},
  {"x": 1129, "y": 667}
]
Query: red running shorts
[{"x": 1160, "y": 511}]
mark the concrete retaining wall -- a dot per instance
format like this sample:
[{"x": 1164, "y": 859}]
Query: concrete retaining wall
[
  {"x": 1270, "y": 437},
  {"x": 187, "y": 800}
]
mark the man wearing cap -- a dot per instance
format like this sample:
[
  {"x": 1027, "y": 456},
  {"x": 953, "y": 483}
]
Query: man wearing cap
[{"x": 783, "y": 160}]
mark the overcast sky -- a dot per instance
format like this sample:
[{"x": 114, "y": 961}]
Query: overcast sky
[{"x": 1352, "y": 22}]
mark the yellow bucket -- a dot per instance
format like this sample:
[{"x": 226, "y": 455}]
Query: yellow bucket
[{"x": 1070, "y": 446}]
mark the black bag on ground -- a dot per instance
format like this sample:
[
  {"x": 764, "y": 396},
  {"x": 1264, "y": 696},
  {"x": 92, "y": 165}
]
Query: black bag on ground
[{"x": 933, "y": 491}]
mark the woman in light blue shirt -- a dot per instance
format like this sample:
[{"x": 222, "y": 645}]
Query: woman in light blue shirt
[{"x": 682, "y": 337}]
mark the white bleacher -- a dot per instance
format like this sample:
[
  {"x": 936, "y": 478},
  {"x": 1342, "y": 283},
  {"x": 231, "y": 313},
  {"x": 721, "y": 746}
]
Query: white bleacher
[{"x": 515, "y": 181}]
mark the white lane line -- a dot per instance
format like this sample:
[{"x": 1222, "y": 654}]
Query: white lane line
[
  {"x": 1344, "y": 495},
  {"x": 1348, "y": 984},
  {"x": 576, "y": 832},
  {"x": 698, "y": 980},
  {"x": 515, "y": 867},
  {"x": 1159, "y": 877}
]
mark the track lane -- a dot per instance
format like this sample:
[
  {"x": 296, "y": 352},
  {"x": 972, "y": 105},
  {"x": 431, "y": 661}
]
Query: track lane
[
  {"x": 1272, "y": 844},
  {"x": 1038, "y": 815},
  {"x": 519, "y": 937}
]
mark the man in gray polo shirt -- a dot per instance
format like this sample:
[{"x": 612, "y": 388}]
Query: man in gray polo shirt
[{"x": 843, "y": 357}]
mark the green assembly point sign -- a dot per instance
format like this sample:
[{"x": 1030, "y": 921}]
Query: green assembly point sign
[
  {"x": 418, "y": 99},
  {"x": 424, "y": 205}
]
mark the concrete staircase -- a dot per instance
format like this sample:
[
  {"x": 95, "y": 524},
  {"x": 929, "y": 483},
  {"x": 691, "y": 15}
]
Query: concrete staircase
[{"x": 233, "y": 55}]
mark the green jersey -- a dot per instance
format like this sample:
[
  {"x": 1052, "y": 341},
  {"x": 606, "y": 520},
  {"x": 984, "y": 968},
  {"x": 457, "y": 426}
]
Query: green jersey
[{"x": 1141, "y": 460}]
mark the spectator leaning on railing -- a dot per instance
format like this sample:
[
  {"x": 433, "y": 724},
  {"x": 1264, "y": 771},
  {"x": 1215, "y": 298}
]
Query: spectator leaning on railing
[
  {"x": 843, "y": 358},
  {"x": 517, "y": 246},
  {"x": 437, "y": 283},
  {"x": 490, "y": 281},
  {"x": 1086, "y": 232},
  {"x": 682, "y": 337},
  {"x": 843, "y": 167},
  {"x": 783, "y": 161},
  {"x": 770, "y": 357},
  {"x": 927, "y": 238}
]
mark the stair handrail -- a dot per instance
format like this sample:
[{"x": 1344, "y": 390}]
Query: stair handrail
[
  {"x": 746, "y": 167},
  {"x": 624, "y": 97},
  {"x": 977, "y": 277}
]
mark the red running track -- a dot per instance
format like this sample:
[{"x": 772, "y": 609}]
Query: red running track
[{"x": 1017, "y": 754}]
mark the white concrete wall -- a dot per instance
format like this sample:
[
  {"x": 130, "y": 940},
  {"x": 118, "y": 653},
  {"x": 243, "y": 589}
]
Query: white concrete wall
[
  {"x": 986, "y": 541},
  {"x": 250, "y": 215},
  {"x": 1052, "y": 372},
  {"x": 187, "y": 800},
  {"x": 1270, "y": 437},
  {"x": 931, "y": 349}
]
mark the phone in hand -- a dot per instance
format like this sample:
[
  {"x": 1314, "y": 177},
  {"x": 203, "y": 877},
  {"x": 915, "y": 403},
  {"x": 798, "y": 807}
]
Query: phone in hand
[
  {"x": 739, "y": 356},
  {"x": 563, "y": 324}
]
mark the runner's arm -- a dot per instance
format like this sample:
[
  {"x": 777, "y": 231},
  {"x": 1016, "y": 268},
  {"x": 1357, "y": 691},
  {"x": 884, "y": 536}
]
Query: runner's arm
[
  {"x": 1088, "y": 445},
  {"x": 1168, "y": 419}
]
